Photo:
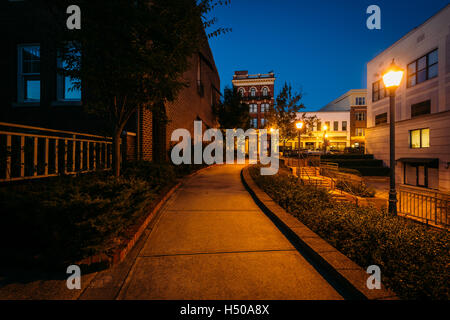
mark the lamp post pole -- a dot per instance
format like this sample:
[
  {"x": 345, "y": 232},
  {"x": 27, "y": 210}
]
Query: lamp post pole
[
  {"x": 299, "y": 144},
  {"x": 392, "y": 191},
  {"x": 392, "y": 79}
]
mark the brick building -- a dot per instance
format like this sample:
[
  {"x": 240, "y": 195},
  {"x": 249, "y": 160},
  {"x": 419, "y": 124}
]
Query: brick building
[
  {"x": 258, "y": 92},
  {"x": 33, "y": 94}
]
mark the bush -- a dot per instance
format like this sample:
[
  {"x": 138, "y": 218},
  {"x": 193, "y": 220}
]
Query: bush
[
  {"x": 414, "y": 259},
  {"x": 357, "y": 189},
  {"x": 58, "y": 221}
]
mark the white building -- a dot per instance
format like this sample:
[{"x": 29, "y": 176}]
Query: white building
[
  {"x": 422, "y": 105},
  {"x": 345, "y": 120}
]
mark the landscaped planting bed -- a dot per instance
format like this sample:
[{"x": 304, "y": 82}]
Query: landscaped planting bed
[
  {"x": 414, "y": 259},
  {"x": 59, "y": 221}
]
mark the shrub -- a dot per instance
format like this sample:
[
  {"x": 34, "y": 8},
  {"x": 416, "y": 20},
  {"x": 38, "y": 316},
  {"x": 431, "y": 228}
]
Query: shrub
[
  {"x": 414, "y": 259},
  {"x": 358, "y": 189}
]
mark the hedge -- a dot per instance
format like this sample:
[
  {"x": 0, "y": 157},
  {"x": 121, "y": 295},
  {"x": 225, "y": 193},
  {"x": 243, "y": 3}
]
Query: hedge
[
  {"x": 347, "y": 156},
  {"x": 414, "y": 259},
  {"x": 58, "y": 221}
]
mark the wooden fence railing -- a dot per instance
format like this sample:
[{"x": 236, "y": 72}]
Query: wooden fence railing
[
  {"x": 426, "y": 206},
  {"x": 28, "y": 152}
]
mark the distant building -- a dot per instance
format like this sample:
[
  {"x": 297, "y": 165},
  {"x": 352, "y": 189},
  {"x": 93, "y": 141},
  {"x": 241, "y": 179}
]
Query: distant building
[
  {"x": 257, "y": 90},
  {"x": 345, "y": 119},
  {"x": 422, "y": 127}
]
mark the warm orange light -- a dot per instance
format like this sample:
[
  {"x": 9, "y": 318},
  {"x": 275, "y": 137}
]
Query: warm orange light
[
  {"x": 325, "y": 128},
  {"x": 326, "y": 135},
  {"x": 299, "y": 125},
  {"x": 272, "y": 129},
  {"x": 393, "y": 76}
]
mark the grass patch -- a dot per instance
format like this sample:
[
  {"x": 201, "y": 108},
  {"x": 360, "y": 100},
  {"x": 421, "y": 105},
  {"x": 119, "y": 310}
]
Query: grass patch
[{"x": 414, "y": 259}]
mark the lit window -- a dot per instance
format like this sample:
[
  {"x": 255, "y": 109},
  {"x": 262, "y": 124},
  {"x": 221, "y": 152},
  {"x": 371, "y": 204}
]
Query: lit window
[
  {"x": 29, "y": 73},
  {"x": 265, "y": 92},
  {"x": 241, "y": 92},
  {"x": 253, "y": 108},
  {"x": 253, "y": 92},
  {"x": 423, "y": 68},
  {"x": 359, "y": 132},
  {"x": 419, "y": 138}
]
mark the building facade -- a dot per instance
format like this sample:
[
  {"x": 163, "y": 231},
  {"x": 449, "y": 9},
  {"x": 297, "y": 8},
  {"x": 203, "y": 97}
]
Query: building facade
[
  {"x": 344, "y": 119},
  {"x": 422, "y": 113},
  {"x": 258, "y": 92},
  {"x": 34, "y": 94}
]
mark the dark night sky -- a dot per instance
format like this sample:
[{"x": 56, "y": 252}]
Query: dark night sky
[{"x": 321, "y": 47}]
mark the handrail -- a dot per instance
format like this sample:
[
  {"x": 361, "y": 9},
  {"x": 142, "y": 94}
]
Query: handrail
[{"x": 15, "y": 125}]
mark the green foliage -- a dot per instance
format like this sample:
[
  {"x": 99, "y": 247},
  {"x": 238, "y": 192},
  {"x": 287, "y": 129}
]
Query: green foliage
[
  {"x": 283, "y": 114},
  {"x": 231, "y": 112},
  {"x": 414, "y": 259},
  {"x": 358, "y": 189}
]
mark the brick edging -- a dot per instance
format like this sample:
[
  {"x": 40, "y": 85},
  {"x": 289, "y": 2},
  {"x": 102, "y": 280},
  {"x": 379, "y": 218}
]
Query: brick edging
[
  {"x": 120, "y": 254},
  {"x": 348, "y": 278}
]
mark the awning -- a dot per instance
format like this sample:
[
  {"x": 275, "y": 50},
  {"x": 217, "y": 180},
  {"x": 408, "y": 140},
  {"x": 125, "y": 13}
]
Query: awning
[{"x": 430, "y": 162}]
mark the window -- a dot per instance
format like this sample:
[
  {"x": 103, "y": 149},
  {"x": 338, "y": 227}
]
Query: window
[
  {"x": 423, "y": 68},
  {"x": 360, "y": 101},
  {"x": 327, "y": 123},
  {"x": 359, "y": 132},
  {"x": 336, "y": 126},
  {"x": 253, "y": 107},
  {"x": 253, "y": 92},
  {"x": 360, "y": 116},
  {"x": 419, "y": 138},
  {"x": 344, "y": 125},
  {"x": 265, "y": 92},
  {"x": 241, "y": 92},
  {"x": 421, "y": 108},
  {"x": 263, "y": 122},
  {"x": 65, "y": 84},
  {"x": 319, "y": 126},
  {"x": 264, "y": 107},
  {"x": 29, "y": 73},
  {"x": 378, "y": 90},
  {"x": 254, "y": 122},
  {"x": 381, "y": 118}
]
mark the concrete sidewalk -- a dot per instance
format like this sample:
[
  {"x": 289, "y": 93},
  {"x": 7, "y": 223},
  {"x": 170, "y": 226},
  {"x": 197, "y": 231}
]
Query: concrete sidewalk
[{"x": 213, "y": 242}]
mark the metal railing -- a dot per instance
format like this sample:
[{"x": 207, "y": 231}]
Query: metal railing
[
  {"x": 28, "y": 152},
  {"x": 426, "y": 206}
]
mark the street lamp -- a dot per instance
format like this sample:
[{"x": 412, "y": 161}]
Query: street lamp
[
  {"x": 392, "y": 78},
  {"x": 325, "y": 135},
  {"x": 299, "y": 126}
]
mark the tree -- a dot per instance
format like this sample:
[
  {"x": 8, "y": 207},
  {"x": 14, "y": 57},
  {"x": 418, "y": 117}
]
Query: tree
[
  {"x": 309, "y": 123},
  {"x": 231, "y": 112},
  {"x": 283, "y": 114},
  {"x": 131, "y": 54}
]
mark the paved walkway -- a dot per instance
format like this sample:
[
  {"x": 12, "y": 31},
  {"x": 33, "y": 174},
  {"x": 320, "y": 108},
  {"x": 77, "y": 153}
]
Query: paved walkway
[{"x": 213, "y": 242}]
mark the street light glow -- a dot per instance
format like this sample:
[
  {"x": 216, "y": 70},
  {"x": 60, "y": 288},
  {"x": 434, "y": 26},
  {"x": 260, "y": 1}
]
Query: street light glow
[
  {"x": 393, "y": 76},
  {"x": 299, "y": 125},
  {"x": 325, "y": 128}
]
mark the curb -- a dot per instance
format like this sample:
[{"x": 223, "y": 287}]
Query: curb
[
  {"x": 347, "y": 277},
  {"x": 120, "y": 254}
]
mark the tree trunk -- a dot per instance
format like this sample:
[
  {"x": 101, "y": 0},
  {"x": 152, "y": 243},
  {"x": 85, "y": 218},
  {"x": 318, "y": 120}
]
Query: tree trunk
[{"x": 117, "y": 157}]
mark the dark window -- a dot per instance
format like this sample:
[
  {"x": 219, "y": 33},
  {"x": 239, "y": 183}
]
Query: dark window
[
  {"x": 423, "y": 68},
  {"x": 336, "y": 126},
  {"x": 344, "y": 125},
  {"x": 381, "y": 118},
  {"x": 360, "y": 116},
  {"x": 421, "y": 108},
  {"x": 319, "y": 126},
  {"x": 378, "y": 90}
]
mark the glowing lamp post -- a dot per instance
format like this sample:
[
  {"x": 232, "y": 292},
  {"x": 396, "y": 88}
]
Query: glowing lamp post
[
  {"x": 392, "y": 79},
  {"x": 299, "y": 126}
]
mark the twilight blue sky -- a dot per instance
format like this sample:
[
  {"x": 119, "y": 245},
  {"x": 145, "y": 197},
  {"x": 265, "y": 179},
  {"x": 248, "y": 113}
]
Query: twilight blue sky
[{"x": 321, "y": 47}]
